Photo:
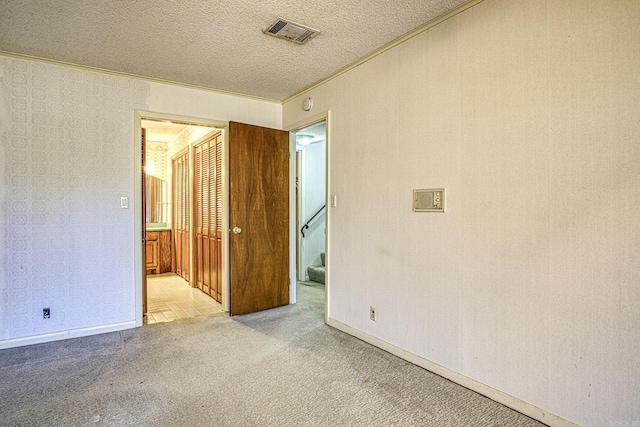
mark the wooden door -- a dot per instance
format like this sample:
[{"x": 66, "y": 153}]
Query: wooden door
[
  {"x": 218, "y": 218},
  {"x": 207, "y": 191},
  {"x": 180, "y": 186},
  {"x": 258, "y": 217},
  {"x": 201, "y": 215}
]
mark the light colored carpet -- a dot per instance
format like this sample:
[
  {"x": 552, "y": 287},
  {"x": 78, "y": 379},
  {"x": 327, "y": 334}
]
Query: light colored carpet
[{"x": 281, "y": 367}]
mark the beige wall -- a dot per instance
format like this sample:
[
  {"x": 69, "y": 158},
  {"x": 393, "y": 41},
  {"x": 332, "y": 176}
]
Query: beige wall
[
  {"x": 527, "y": 112},
  {"x": 67, "y": 156}
]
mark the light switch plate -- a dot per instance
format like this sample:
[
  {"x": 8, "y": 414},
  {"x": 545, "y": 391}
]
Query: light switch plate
[{"x": 124, "y": 202}]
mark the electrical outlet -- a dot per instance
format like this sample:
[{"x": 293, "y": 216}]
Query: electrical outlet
[
  {"x": 373, "y": 314},
  {"x": 46, "y": 313}
]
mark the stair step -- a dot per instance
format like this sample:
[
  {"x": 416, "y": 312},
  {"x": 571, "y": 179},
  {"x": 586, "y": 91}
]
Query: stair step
[{"x": 316, "y": 273}]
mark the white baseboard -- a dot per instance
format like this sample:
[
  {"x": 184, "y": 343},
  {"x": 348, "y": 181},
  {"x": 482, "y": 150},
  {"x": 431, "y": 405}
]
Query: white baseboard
[
  {"x": 64, "y": 335},
  {"x": 512, "y": 402}
]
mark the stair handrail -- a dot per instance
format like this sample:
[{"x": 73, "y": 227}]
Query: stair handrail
[{"x": 306, "y": 226}]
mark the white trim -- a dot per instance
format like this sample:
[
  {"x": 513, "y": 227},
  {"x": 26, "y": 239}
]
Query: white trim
[
  {"x": 302, "y": 191},
  {"x": 137, "y": 217},
  {"x": 64, "y": 335},
  {"x": 299, "y": 209},
  {"x": 327, "y": 217},
  {"x": 136, "y": 76},
  {"x": 386, "y": 47},
  {"x": 316, "y": 118},
  {"x": 512, "y": 402},
  {"x": 293, "y": 280},
  {"x": 226, "y": 249}
]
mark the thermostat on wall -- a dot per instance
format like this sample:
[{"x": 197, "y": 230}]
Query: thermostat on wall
[{"x": 429, "y": 200}]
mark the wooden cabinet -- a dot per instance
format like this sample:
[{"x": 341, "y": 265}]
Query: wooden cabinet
[
  {"x": 152, "y": 252},
  {"x": 158, "y": 251}
]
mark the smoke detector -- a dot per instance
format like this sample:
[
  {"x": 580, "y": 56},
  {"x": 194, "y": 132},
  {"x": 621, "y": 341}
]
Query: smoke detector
[{"x": 291, "y": 31}]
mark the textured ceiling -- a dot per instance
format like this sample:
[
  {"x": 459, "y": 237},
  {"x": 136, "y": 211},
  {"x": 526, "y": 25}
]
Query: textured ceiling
[{"x": 213, "y": 44}]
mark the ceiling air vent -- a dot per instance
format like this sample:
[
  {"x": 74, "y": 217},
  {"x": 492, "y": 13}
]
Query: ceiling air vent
[{"x": 291, "y": 31}]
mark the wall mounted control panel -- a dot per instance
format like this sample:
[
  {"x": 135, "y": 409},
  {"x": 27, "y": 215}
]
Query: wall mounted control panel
[{"x": 428, "y": 200}]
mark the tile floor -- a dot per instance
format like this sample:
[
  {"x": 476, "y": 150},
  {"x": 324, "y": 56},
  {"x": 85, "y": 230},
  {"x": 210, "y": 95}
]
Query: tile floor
[{"x": 169, "y": 297}]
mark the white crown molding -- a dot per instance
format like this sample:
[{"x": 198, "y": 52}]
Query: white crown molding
[
  {"x": 388, "y": 46},
  {"x": 135, "y": 76}
]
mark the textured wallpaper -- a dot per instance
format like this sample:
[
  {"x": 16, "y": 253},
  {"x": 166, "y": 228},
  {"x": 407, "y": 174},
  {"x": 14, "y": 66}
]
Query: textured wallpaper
[
  {"x": 66, "y": 158},
  {"x": 157, "y": 160}
]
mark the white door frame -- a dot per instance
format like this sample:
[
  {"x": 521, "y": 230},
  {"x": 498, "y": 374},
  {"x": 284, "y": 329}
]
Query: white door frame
[
  {"x": 140, "y": 115},
  {"x": 323, "y": 116}
]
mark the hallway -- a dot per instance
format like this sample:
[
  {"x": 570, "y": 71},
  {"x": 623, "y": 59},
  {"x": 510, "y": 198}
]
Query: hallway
[{"x": 169, "y": 297}]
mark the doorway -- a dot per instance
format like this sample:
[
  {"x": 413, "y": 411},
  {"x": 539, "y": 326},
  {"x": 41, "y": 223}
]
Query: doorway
[
  {"x": 311, "y": 209},
  {"x": 172, "y": 199},
  {"x": 259, "y": 158}
]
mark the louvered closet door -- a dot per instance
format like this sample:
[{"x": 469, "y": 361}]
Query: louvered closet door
[
  {"x": 180, "y": 187},
  {"x": 201, "y": 217},
  {"x": 206, "y": 253},
  {"x": 197, "y": 259},
  {"x": 211, "y": 232},
  {"x": 218, "y": 219}
]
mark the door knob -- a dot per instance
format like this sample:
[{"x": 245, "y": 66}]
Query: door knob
[{"x": 237, "y": 230}]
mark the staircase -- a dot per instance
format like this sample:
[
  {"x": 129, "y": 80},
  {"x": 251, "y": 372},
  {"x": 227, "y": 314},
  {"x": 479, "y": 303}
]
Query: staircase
[{"x": 316, "y": 272}]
